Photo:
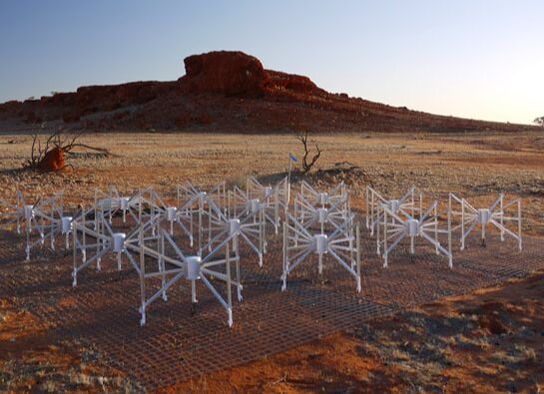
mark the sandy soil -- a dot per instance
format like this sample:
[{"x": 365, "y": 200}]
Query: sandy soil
[
  {"x": 489, "y": 341},
  {"x": 475, "y": 165},
  {"x": 31, "y": 361}
]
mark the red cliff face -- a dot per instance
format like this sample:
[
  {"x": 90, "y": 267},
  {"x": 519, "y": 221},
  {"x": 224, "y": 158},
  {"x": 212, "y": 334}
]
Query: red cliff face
[
  {"x": 226, "y": 91},
  {"x": 295, "y": 83},
  {"x": 238, "y": 74},
  {"x": 228, "y": 73}
]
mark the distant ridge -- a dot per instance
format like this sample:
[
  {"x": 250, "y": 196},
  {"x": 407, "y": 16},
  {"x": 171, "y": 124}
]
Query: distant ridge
[{"x": 226, "y": 91}]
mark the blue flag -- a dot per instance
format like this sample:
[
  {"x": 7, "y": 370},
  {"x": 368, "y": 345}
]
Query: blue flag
[{"x": 293, "y": 157}]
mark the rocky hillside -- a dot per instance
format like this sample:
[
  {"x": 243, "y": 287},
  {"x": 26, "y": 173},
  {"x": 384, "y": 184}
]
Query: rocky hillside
[{"x": 225, "y": 92}]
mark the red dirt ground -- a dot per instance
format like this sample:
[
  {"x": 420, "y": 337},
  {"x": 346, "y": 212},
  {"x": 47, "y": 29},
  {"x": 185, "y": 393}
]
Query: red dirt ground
[
  {"x": 489, "y": 341},
  {"x": 31, "y": 362}
]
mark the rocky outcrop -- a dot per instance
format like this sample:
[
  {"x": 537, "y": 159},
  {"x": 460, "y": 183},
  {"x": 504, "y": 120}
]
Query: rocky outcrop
[
  {"x": 53, "y": 160},
  {"x": 296, "y": 83},
  {"x": 91, "y": 99},
  {"x": 227, "y": 91},
  {"x": 224, "y": 72},
  {"x": 237, "y": 74}
]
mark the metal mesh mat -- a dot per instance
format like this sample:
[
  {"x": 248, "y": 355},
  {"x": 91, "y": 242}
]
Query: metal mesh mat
[{"x": 180, "y": 342}]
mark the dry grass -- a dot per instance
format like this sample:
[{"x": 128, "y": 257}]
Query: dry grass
[
  {"x": 423, "y": 350},
  {"x": 477, "y": 165}
]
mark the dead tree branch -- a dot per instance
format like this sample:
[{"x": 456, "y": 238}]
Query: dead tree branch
[
  {"x": 307, "y": 166},
  {"x": 56, "y": 144}
]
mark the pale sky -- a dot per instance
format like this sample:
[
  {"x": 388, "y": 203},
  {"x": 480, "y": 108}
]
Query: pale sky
[{"x": 480, "y": 59}]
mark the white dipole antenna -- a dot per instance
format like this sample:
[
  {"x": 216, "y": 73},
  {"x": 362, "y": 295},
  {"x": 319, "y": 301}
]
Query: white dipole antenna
[
  {"x": 191, "y": 268},
  {"x": 400, "y": 225},
  {"x": 322, "y": 225},
  {"x": 493, "y": 216}
]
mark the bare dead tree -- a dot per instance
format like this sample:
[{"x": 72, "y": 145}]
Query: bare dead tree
[
  {"x": 37, "y": 153},
  {"x": 307, "y": 166},
  {"x": 56, "y": 140},
  {"x": 69, "y": 147}
]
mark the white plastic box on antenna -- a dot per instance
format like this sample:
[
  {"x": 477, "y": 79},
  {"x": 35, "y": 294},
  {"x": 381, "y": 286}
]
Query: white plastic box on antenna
[
  {"x": 162, "y": 263},
  {"x": 110, "y": 202},
  {"x": 193, "y": 209},
  {"x": 400, "y": 224},
  {"x": 274, "y": 199},
  {"x": 323, "y": 230},
  {"x": 217, "y": 194},
  {"x": 94, "y": 237},
  {"x": 143, "y": 205},
  {"x": 500, "y": 215},
  {"x": 45, "y": 219},
  {"x": 251, "y": 214},
  {"x": 147, "y": 204},
  {"x": 411, "y": 201},
  {"x": 138, "y": 207},
  {"x": 323, "y": 198},
  {"x": 246, "y": 217},
  {"x": 325, "y": 216}
]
